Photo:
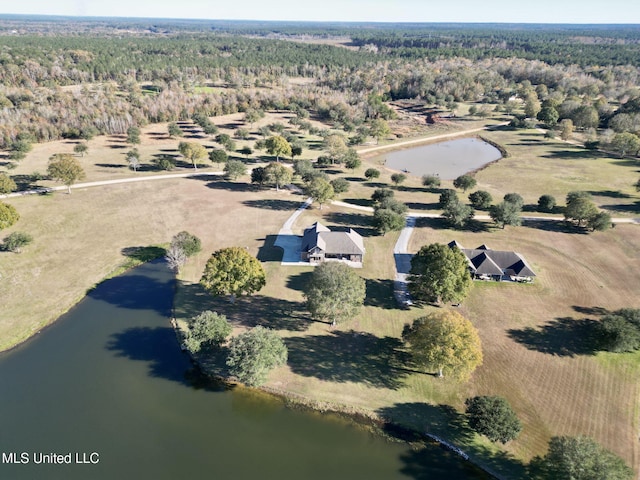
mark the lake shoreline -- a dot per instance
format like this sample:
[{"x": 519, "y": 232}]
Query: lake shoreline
[
  {"x": 445, "y": 159},
  {"x": 370, "y": 421}
]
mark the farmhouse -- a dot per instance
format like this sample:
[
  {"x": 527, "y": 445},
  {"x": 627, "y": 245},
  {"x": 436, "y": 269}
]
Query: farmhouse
[
  {"x": 487, "y": 264},
  {"x": 319, "y": 244}
]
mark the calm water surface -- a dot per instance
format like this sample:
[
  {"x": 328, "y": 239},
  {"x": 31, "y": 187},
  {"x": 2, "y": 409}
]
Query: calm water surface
[
  {"x": 447, "y": 159},
  {"x": 110, "y": 378}
]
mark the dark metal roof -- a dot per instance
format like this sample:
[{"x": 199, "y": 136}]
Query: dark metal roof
[{"x": 484, "y": 261}]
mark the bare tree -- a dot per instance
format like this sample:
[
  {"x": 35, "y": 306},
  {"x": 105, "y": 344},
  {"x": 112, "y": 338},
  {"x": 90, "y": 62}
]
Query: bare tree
[{"x": 176, "y": 257}]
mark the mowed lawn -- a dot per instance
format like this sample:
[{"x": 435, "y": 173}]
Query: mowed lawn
[
  {"x": 532, "y": 334},
  {"x": 80, "y": 238},
  {"x": 538, "y": 352},
  {"x": 535, "y": 337},
  {"x": 538, "y": 166}
]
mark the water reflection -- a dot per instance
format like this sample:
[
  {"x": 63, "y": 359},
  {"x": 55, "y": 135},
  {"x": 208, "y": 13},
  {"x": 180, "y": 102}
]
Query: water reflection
[
  {"x": 109, "y": 377},
  {"x": 448, "y": 160}
]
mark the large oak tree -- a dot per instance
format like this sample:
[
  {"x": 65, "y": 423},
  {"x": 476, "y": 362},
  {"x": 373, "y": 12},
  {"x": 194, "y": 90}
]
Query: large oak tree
[
  {"x": 335, "y": 292},
  {"x": 233, "y": 271},
  {"x": 445, "y": 342},
  {"x": 254, "y": 353},
  {"x": 439, "y": 273}
]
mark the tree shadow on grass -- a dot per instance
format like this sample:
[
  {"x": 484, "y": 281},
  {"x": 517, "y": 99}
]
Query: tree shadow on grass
[
  {"x": 112, "y": 165},
  {"x": 273, "y": 204},
  {"x": 360, "y": 222},
  {"x": 558, "y": 226},
  {"x": 435, "y": 223},
  {"x": 270, "y": 312},
  {"x": 423, "y": 206},
  {"x": 380, "y": 294},
  {"x": 563, "y": 337},
  {"x": 144, "y": 254},
  {"x": 572, "y": 155},
  {"x": 249, "y": 311},
  {"x": 592, "y": 311},
  {"x": 349, "y": 357},
  {"x": 404, "y": 188},
  {"x": 362, "y": 202},
  {"x": 625, "y": 207},
  {"x": 407, "y": 421},
  {"x": 377, "y": 185},
  {"x": 625, "y": 162},
  {"x": 474, "y": 225},
  {"x": 299, "y": 281},
  {"x": 609, "y": 193},
  {"x": 440, "y": 223},
  {"x": 221, "y": 184},
  {"x": 26, "y": 182}
]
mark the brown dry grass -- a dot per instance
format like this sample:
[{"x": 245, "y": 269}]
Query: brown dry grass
[
  {"x": 106, "y": 160},
  {"x": 539, "y": 166},
  {"x": 79, "y": 239},
  {"x": 535, "y": 166},
  {"x": 552, "y": 378}
]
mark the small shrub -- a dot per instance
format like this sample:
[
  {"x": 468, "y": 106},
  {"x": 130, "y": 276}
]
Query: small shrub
[
  {"x": 8, "y": 215},
  {"x": 431, "y": 181},
  {"x": 599, "y": 222},
  {"x": 464, "y": 182},
  {"x": 514, "y": 198},
  {"x": 398, "y": 178},
  {"x": 340, "y": 185},
  {"x": 480, "y": 200},
  {"x": 190, "y": 244},
  {"x": 164, "y": 163},
  {"x": 15, "y": 241},
  {"x": 371, "y": 173},
  {"x": 546, "y": 203}
]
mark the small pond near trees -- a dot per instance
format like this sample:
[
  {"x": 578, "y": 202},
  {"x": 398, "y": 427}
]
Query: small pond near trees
[
  {"x": 449, "y": 159},
  {"x": 108, "y": 378}
]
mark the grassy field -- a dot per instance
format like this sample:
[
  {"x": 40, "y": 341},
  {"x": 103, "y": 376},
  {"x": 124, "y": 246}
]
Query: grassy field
[
  {"x": 539, "y": 166},
  {"x": 536, "y": 338},
  {"x": 532, "y": 334},
  {"x": 106, "y": 158},
  {"x": 535, "y": 166},
  {"x": 536, "y": 353},
  {"x": 80, "y": 238}
]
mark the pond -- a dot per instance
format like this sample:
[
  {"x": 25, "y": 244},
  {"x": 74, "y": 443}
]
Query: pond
[
  {"x": 108, "y": 389},
  {"x": 448, "y": 160}
]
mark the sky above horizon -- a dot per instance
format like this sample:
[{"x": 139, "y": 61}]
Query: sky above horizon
[{"x": 508, "y": 11}]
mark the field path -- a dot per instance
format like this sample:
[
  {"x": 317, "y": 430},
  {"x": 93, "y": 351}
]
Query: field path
[
  {"x": 145, "y": 178},
  {"x": 142, "y": 178},
  {"x": 416, "y": 141}
]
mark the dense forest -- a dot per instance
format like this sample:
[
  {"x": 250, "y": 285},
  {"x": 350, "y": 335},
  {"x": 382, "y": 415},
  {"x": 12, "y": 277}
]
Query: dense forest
[{"x": 106, "y": 75}]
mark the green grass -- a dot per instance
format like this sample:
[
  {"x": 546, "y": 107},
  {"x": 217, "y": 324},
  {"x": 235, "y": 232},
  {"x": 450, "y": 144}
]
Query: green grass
[{"x": 136, "y": 256}]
